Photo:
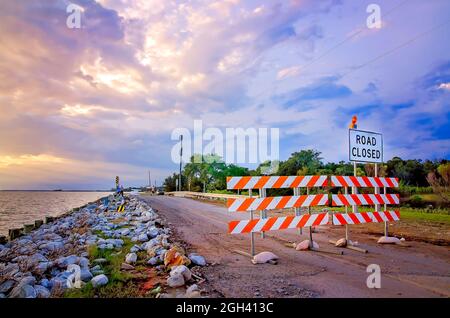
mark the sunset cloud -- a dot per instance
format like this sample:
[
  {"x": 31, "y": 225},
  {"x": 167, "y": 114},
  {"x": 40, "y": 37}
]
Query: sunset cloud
[{"x": 91, "y": 103}]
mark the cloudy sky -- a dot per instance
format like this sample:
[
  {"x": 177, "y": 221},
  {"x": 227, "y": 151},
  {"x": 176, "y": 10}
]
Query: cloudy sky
[{"x": 79, "y": 106}]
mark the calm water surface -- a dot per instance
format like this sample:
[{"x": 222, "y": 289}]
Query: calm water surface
[{"x": 18, "y": 208}]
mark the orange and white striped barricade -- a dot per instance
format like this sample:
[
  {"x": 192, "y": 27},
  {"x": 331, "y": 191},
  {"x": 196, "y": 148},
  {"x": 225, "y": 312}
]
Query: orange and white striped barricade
[
  {"x": 263, "y": 203},
  {"x": 275, "y": 182},
  {"x": 276, "y": 203},
  {"x": 374, "y": 182},
  {"x": 364, "y": 199},
  {"x": 363, "y": 182},
  {"x": 365, "y": 217},
  {"x": 277, "y": 223}
]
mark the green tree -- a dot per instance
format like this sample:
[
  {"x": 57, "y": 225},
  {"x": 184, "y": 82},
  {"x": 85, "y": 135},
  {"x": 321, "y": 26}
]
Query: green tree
[
  {"x": 440, "y": 181},
  {"x": 308, "y": 161}
]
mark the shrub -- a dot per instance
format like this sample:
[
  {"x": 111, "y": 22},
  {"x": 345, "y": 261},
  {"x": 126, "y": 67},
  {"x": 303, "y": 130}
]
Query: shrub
[{"x": 416, "y": 201}]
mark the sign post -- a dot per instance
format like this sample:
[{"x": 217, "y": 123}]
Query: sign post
[{"x": 365, "y": 146}]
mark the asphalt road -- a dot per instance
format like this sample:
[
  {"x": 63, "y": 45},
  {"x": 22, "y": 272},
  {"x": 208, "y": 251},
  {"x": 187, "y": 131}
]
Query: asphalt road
[{"x": 421, "y": 270}]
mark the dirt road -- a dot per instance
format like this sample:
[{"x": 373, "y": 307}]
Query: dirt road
[{"x": 421, "y": 270}]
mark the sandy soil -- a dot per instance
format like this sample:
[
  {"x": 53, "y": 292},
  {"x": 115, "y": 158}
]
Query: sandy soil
[{"x": 420, "y": 270}]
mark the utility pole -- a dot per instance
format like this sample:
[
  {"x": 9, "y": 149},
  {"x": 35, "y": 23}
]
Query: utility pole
[
  {"x": 149, "y": 180},
  {"x": 181, "y": 161}
]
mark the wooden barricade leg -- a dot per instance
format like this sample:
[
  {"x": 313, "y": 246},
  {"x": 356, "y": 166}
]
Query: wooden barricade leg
[
  {"x": 262, "y": 213},
  {"x": 297, "y": 210},
  {"x": 346, "y": 225},
  {"x": 348, "y": 243},
  {"x": 311, "y": 245},
  {"x": 252, "y": 235},
  {"x": 311, "y": 242}
]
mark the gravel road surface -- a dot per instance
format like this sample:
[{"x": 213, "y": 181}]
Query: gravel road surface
[{"x": 420, "y": 270}]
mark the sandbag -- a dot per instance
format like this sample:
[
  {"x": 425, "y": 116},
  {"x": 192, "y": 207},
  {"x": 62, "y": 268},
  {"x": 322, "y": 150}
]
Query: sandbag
[
  {"x": 304, "y": 245},
  {"x": 264, "y": 257},
  {"x": 341, "y": 243},
  {"x": 388, "y": 240}
]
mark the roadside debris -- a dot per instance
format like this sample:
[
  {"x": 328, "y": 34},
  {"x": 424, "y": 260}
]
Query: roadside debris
[{"x": 175, "y": 256}]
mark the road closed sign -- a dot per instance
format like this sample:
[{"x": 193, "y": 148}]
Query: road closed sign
[{"x": 365, "y": 146}]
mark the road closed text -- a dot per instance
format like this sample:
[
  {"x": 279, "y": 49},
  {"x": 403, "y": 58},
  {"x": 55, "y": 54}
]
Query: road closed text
[{"x": 365, "y": 146}]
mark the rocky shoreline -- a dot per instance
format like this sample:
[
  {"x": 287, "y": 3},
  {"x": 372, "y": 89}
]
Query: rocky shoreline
[{"x": 96, "y": 251}]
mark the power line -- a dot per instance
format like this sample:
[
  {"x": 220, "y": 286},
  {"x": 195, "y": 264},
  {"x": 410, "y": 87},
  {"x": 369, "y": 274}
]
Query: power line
[
  {"x": 361, "y": 29},
  {"x": 333, "y": 48},
  {"x": 396, "y": 48}
]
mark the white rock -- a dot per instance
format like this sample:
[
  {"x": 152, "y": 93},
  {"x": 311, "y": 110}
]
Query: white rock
[
  {"x": 58, "y": 283},
  {"x": 99, "y": 280},
  {"x": 85, "y": 275},
  {"x": 116, "y": 242},
  {"x": 197, "y": 259},
  {"x": 154, "y": 261},
  {"x": 192, "y": 288},
  {"x": 131, "y": 258},
  {"x": 83, "y": 262},
  {"x": 37, "y": 257},
  {"x": 41, "y": 291},
  {"x": 27, "y": 280},
  {"x": 150, "y": 244},
  {"x": 181, "y": 270},
  {"x": 23, "y": 291},
  {"x": 153, "y": 232},
  {"x": 193, "y": 291},
  {"x": 7, "y": 286},
  {"x": 175, "y": 281},
  {"x": 143, "y": 237},
  {"x": 42, "y": 267},
  {"x": 127, "y": 267},
  {"x": 125, "y": 232},
  {"x": 52, "y": 246},
  {"x": 68, "y": 260},
  {"x": 100, "y": 261}
]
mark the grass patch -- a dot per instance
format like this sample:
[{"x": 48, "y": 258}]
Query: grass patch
[
  {"x": 99, "y": 234},
  {"x": 413, "y": 214},
  {"x": 419, "y": 213},
  {"x": 430, "y": 197},
  {"x": 119, "y": 282}
]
